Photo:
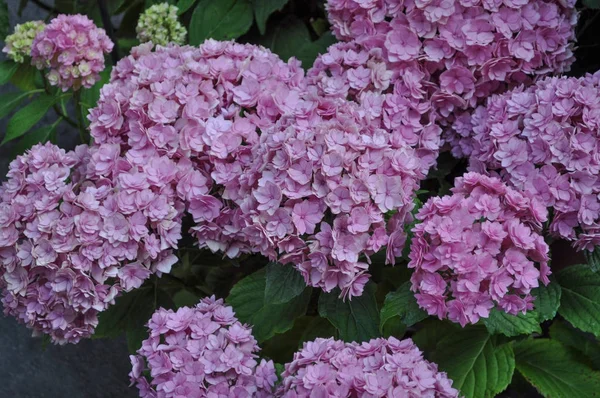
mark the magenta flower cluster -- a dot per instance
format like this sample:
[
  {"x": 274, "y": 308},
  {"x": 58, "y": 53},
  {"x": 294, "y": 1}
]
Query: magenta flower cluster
[
  {"x": 395, "y": 100},
  {"x": 198, "y": 352},
  {"x": 69, "y": 244},
  {"x": 201, "y": 108},
  {"x": 461, "y": 50},
  {"x": 318, "y": 192},
  {"x": 478, "y": 249},
  {"x": 73, "y": 48},
  {"x": 544, "y": 140},
  {"x": 378, "y": 368}
]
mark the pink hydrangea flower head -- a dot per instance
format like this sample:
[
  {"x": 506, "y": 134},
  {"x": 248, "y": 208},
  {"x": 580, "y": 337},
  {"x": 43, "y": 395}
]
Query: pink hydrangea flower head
[
  {"x": 202, "y": 351},
  {"x": 544, "y": 139},
  {"x": 71, "y": 241},
  {"x": 378, "y": 368},
  {"x": 73, "y": 50},
  {"x": 319, "y": 190},
  {"x": 462, "y": 51},
  {"x": 478, "y": 249},
  {"x": 200, "y": 109}
]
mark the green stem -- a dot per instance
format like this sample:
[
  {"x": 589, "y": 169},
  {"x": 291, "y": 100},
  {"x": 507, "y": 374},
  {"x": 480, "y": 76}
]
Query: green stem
[
  {"x": 53, "y": 130},
  {"x": 55, "y": 107},
  {"x": 83, "y": 133}
]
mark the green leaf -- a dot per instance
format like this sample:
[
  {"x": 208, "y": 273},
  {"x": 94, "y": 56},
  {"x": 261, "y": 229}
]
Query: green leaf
[
  {"x": 554, "y": 370},
  {"x": 4, "y": 20},
  {"x": 184, "y": 5},
  {"x": 113, "y": 321},
  {"x": 24, "y": 77},
  {"x": 27, "y": 117},
  {"x": 318, "y": 327},
  {"x": 580, "y": 299},
  {"x": 7, "y": 70},
  {"x": 355, "y": 319},
  {"x": 284, "y": 283},
  {"x": 291, "y": 38},
  {"x": 247, "y": 298},
  {"x": 547, "y": 300},
  {"x": 281, "y": 347},
  {"x": 185, "y": 298},
  {"x": 431, "y": 332},
  {"x": 512, "y": 325},
  {"x": 594, "y": 4},
  {"x": 593, "y": 259},
  {"x": 545, "y": 306},
  {"x": 38, "y": 136},
  {"x": 402, "y": 304},
  {"x": 66, "y": 6},
  {"x": 584, "y": 343},
  {"x": 9, "y": 101},
  {"x": 220, "y": 20},
  {"x": 263, "y": 9},
  {"x": 475, "y": 362}
]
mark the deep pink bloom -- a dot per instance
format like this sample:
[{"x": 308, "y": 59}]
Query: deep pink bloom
[
  {"x": 73, "y": 48},
  {"x": 478, "y": 249},
  {"x": 201, "y": 351}
]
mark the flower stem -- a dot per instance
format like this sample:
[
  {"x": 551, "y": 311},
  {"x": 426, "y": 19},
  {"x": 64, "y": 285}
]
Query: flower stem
[{"x": 83, "y": 133}]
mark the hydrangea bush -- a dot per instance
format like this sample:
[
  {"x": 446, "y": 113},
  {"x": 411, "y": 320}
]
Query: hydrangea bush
[{"x": 263, "y": 211}]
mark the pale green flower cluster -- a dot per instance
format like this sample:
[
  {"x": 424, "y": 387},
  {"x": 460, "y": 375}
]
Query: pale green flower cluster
[
  {"x": 18, "y": 45},
  {"x": 159, "y": 24}
]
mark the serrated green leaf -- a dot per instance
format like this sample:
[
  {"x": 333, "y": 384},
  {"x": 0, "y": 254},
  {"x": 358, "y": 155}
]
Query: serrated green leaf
[
  {"x": 220, "y": 20},
  {"x": 547, "y": 300},
  {"x": 512, "y": 325},
  {"x": 554, "y": 370},
  {"x": 284, "y": 283},
  {"x": 291, "y": 38},
  {"x": 593, "y": 259},
  {"x": 113, "y": 321},
  {"x": 7, "y": 70},
  {"x": 247, "y": 298},
  {"x": 4, "y": 19},
  {"x": 27, "y": 117},
  {"x": 355, "y": 319},
  {"x": 545, "y": 306},
  {"x": 478, "y": 366},
  {"x": 584, "y": 343},
  {"x": 185, "y": 298},
  {"x": 580, "y": 299},
  {"x": 281, "y": 347},
  {"x": 184, "y": 5},
  {"x": 432, "y": 331},
  {"x": 263, "y": 9},
  {"x": 402, "y": 304}
]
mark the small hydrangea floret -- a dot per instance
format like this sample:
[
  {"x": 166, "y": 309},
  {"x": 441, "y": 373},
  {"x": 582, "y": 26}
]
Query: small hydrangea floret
[
  {"x": 478, "y": 249},
  {"x": 378, "y": 368},
  {"x": 18, "y": 45},
  {"x": 203, "y": 351},
  {"x": 159, "y": 24},
  {"x": 73, "y": 50}
]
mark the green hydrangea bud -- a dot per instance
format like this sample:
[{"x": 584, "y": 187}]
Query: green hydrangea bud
[
  {"x": 159, "y": 24},
  {"x": 18, "y": 45}
]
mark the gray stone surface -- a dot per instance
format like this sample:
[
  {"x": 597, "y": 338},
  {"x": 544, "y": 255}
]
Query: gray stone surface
[{"x": 90, "y": 369}]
